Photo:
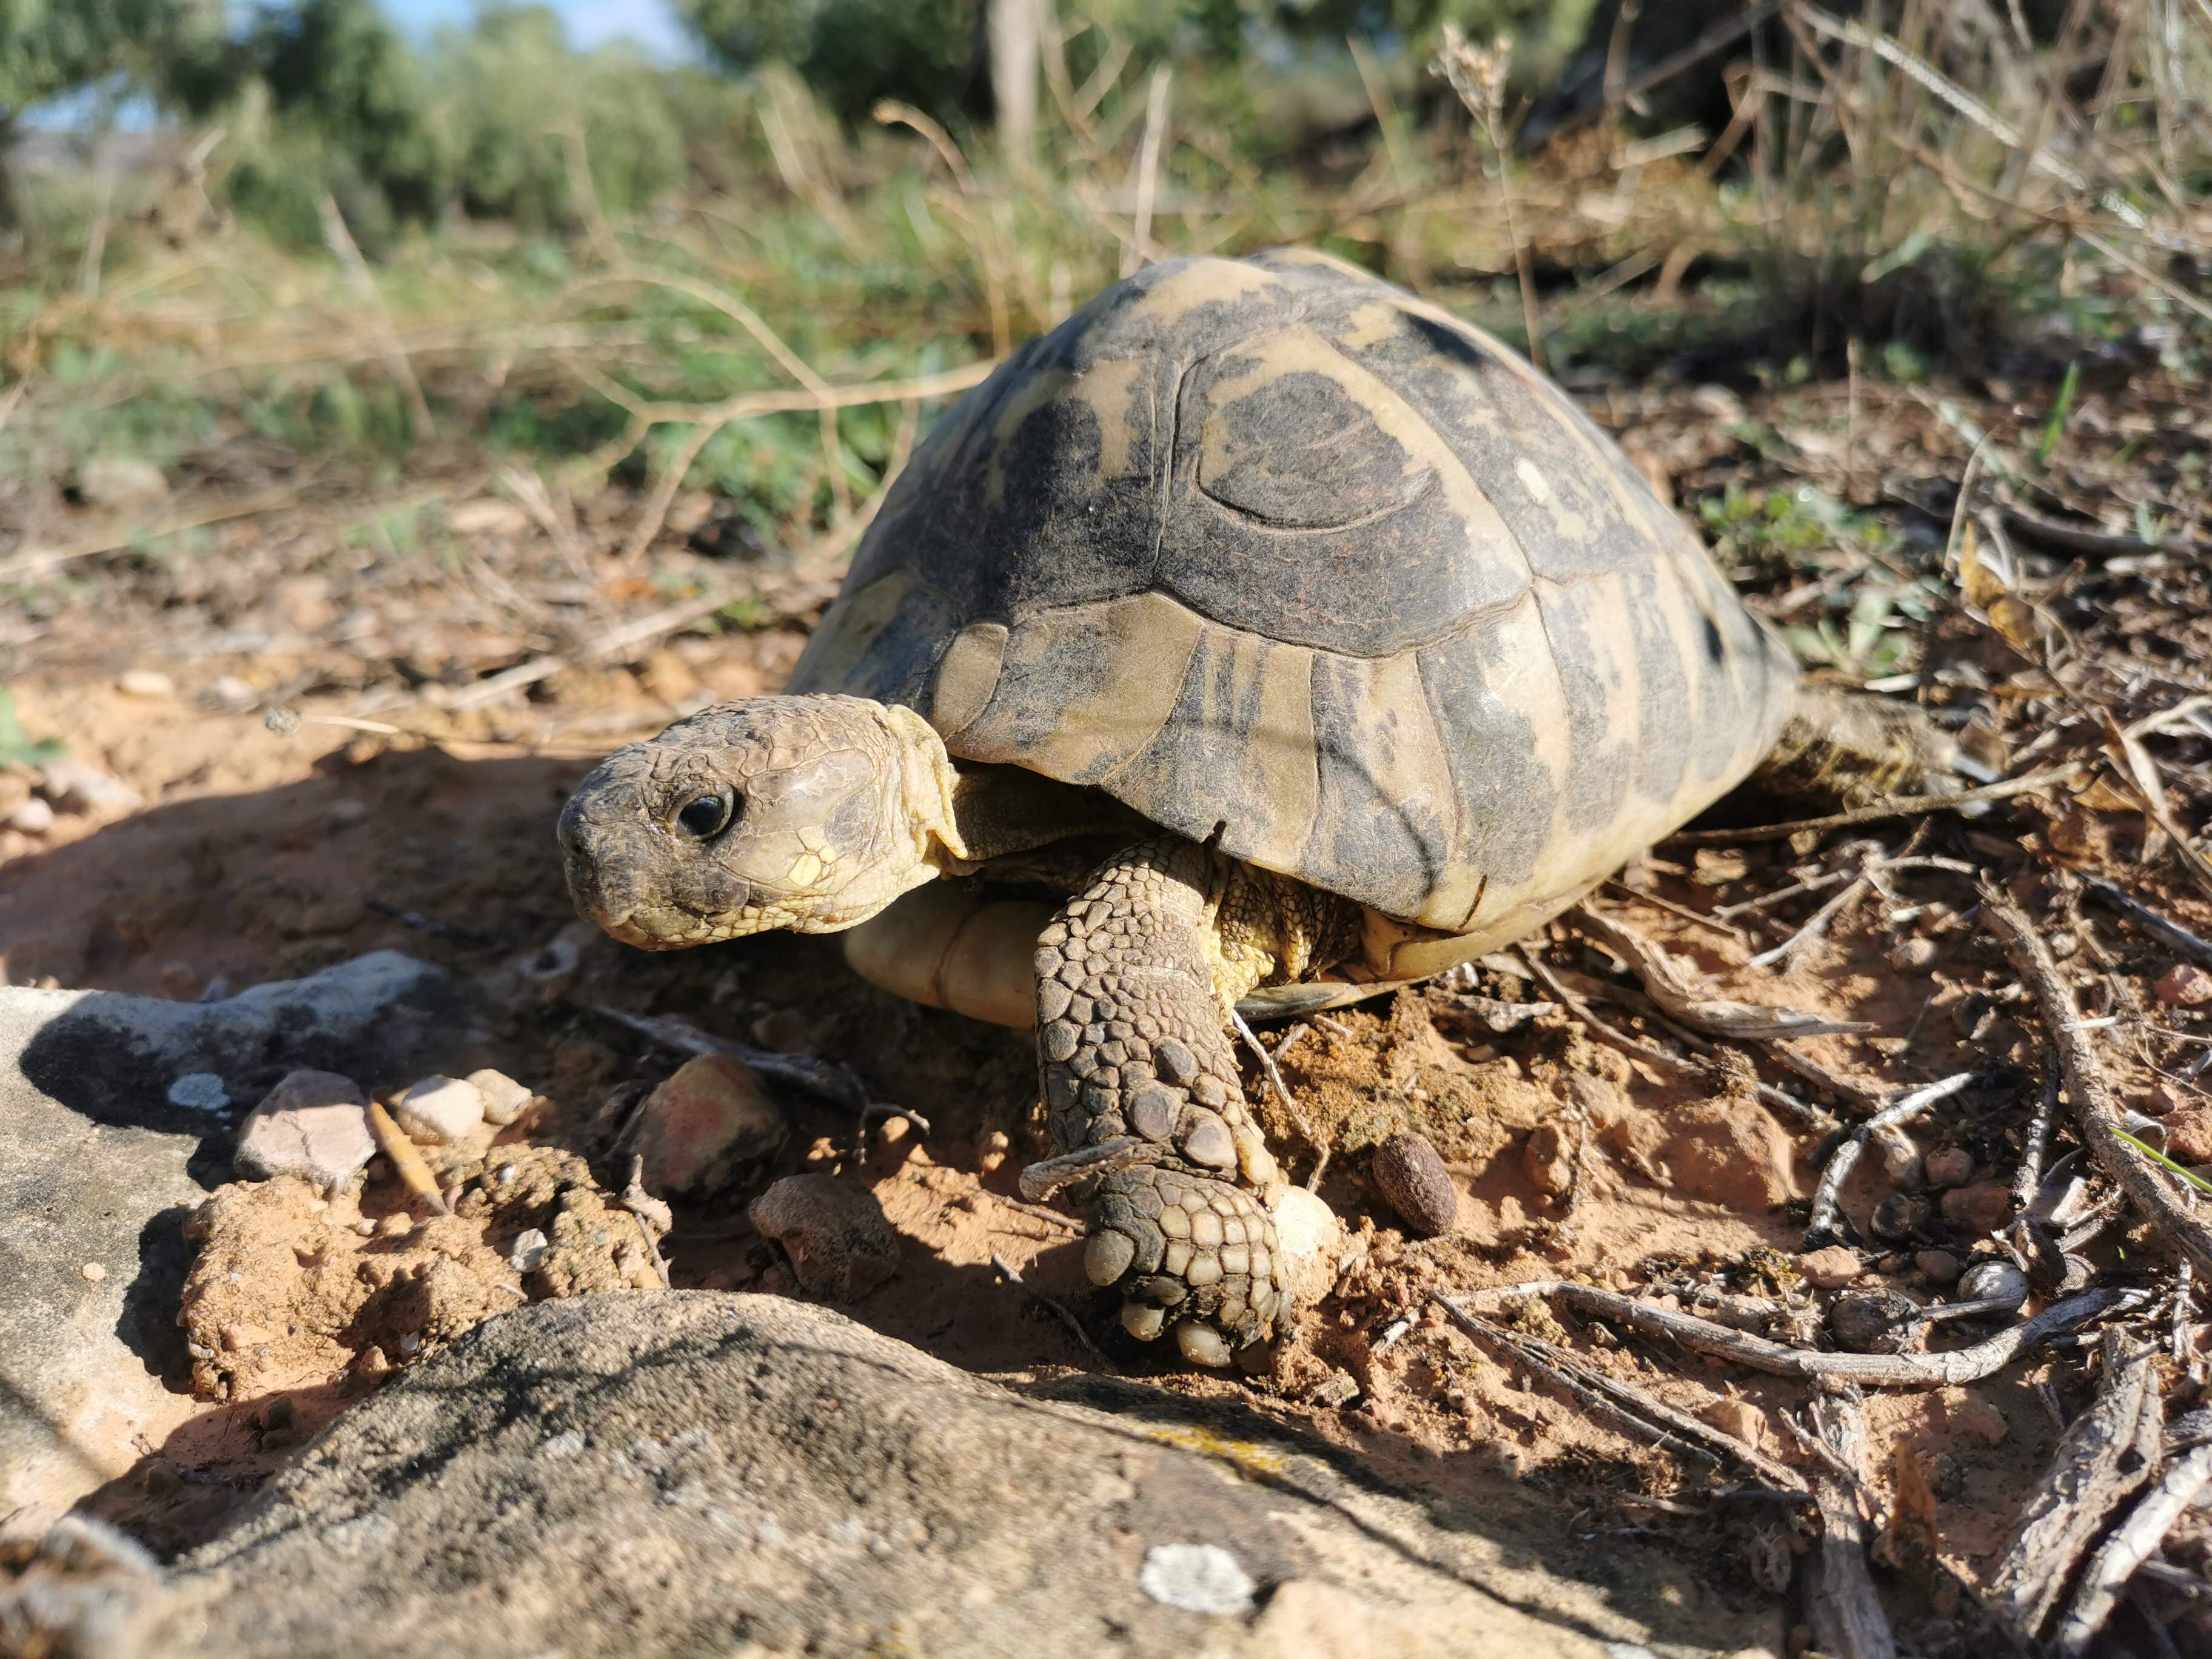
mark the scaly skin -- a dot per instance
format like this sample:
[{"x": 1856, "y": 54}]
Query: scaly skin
[
  {"x": 1131, "y": 1042},
  {"x": 813, "y": 813}
]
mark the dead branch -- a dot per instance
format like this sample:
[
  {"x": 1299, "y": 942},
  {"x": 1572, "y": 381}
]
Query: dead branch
[
  {"x": 1845, "y": 1610},
  {"x": 1041, "y": 1179},
  {"x": 1822, "y": 1227},
  {"x": 1930, "y": 1371},
  {"x": 2131, "y": 1545},
  {"x": 2106, "y": 1455},
  {"x": 826, "y": 1079},
  {"x": 2098, "y": 1116},
  {"x": 2028, "y": 1179},
  {"x": 1672, "y": 989},
  {"x": 2164, "y": 929}
]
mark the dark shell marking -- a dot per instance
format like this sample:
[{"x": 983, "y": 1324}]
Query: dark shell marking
[{"x": 1272, "y": 548}]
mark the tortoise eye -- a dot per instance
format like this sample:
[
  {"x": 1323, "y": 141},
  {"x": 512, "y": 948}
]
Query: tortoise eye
[{"x": 706, "y": 815}]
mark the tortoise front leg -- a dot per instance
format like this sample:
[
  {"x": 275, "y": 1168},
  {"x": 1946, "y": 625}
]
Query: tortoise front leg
[{"x": 1132, "y": 1048}]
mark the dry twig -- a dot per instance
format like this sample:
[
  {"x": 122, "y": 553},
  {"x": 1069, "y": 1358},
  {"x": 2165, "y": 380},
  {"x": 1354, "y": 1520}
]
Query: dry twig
[
  {"x": 1900, "y": 807},
  {"x": 2104, "y": 1455},
  {"x": 2098, "y": 1116},
  {"x": 1822, "y": 1227},
  {"x": 1845, "y": 1611},
  {"x": 1673, "y": 991},
  {"x": 1927, "y": 1370},
  {"x": 2131, "y": 1545}
]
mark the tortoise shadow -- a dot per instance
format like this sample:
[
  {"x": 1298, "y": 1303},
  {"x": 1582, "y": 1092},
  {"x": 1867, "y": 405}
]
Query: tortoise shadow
[{"x": 234, "y": 884}]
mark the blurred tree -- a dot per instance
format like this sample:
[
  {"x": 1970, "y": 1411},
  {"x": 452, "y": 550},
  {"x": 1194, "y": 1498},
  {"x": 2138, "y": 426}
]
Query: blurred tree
[
  {"x": 851, "y": 52},
  {"x": 49, "y": 48}
]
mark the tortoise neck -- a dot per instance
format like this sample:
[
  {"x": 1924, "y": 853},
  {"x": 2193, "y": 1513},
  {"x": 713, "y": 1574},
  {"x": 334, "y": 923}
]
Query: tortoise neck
[{"x": 1005, "y": 810}]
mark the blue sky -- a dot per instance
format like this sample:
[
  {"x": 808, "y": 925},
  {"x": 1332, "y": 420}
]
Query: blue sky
[{"x": 651, "y": 24}]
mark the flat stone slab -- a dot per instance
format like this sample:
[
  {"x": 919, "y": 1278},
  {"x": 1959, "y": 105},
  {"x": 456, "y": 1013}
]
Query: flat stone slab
[
  {"x": 702, "y": 1473},
  {"x": 117, "y": 1115}
]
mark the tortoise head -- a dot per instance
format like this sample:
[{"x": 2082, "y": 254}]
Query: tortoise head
[{"x": 811, "y": 814}]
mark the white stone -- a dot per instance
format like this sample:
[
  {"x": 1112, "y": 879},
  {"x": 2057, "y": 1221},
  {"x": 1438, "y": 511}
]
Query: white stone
[
  {"x": 74, "y": 787},
  {"x": 503, "y": 1098},
  {"x": 1308, "y": 1241},
  {"x": 33, "y": 817},
  {"x": 1197, "y": 1578},
  {"x": 529, "y": 1251},
  {"x": 441, "y": 1110},
  {"x": 145, "y": 682}
]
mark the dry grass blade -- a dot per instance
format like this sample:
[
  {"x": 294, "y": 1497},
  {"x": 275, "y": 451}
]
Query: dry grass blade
[
  {"x": 2106, "y": 1455},
  {"x": 2099, "y": 1118},
  {"x": 1666, "y": 983}
]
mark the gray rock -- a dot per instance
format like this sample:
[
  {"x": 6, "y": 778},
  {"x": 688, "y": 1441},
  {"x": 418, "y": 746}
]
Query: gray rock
[
  {"x": 100, "y": 1164},
  {"x": 313, "y": 1124},
  {"x": 714, "y": 1474}
]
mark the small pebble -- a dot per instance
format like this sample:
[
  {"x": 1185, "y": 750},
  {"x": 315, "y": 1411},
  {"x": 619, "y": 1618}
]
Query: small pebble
[
  {"x": 313, "y": 1124},
  {"x": 530, "y": 1248},
  {"x": 409, "y": 1345},
  {"x": 1414, "y": 1181},
  {"x": 1978, "y": 1210},
  {"x": 199, "y": 1092},
  {"x": 440, "y": 1110},
  {"x": 1994, "y": 1281},
  {"x": 1912, "y": 956},
  {"x": 145, "y": 682},
  {"x": 834, "y": 1232},
  {"x": 504, "y": 1098},
  {"x": 236, "y": 1339},
  {"x": 394, "y": 1226},
  {"x": 706, "y": 1121},
  {"x": 1949, "y": 1166},
  {"x": 1869, "y": 1322},
  {"x": 93, "y": 1272},
  {"x": 1197, "y": 1578},
  {"x": 2184, "y": 985},
  {"x": 1547, "y": 1163},
  {"x": 74, "y": 787},
  {"x": 1937, "y": 1266},
  {"x": 1899, "y": 1215},
  {"x": 1830, "y": 1269},
  {"x": 34, "y": 818}
]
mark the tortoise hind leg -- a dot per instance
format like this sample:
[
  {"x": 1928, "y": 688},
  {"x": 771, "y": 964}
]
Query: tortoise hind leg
[
  {"x": 1132, "y": 1050},
  {"x": 1843, "y": 750}
]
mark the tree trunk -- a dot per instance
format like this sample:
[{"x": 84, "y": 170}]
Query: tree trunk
[{"x": 1015, "y": 30}]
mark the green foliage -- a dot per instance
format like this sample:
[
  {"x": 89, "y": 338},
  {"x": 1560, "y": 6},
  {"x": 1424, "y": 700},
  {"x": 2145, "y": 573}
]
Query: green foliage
[
  {"x": 15, "y": 746},
  {"x": 850, "y": 53}
]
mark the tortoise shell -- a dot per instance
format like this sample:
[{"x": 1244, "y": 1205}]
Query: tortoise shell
[{"x": 1279, "y": 556}]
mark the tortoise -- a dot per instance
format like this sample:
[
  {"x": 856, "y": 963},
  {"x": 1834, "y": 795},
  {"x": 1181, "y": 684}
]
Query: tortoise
[{"x": 1299, "y": 636}]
